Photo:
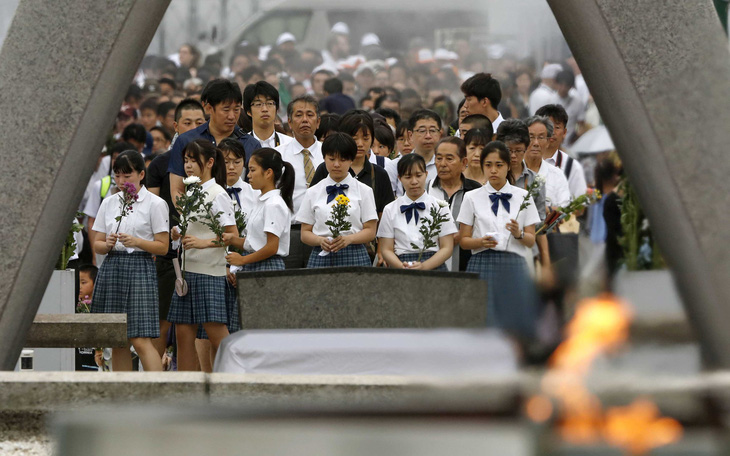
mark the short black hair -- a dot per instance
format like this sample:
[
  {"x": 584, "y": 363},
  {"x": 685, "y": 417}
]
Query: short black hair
[
  {"x": 408, "y": 162},
  {"x": 479, "y": 121},
  {"x": 478, "y": 137},
  {"x": 262, "y": 88},
  {"x": 322, "y": 71},
  {"x": 169, "y": 82},
  {"x": 308, "y": 99},
  {"x": 339, "y": 144},
  {"x": 389, "y": 114},
  {"x": 134, "y": 132},
  {"x": 402, "y": 128},
  {"x": 327, "y": 123},
  {"x": 385, "y": 136},
  {"x": 422, "y": 114},
  {"x": 187, "y": 104},
  {"x": 89, "y": 269},
  {"x": 133, "y": 93},
  {"x": 249, "y": 72},
  {"x": 565, "y": 77},
  {"x": 355, "y": 120},
  {"x": 119, "y": 147},
  {"x": 483, "y": 85},
  {"x": 162, "y": 130},
  {"x": 458, "y": 142},
  {"x": 165, "y": 107},
  {"x": 386, "y": 97},
  {"x": 233, "y": 145},
  {"x": 514, "y": 131},
  {"x": 222, "y": 90},
  {"x": 150, "y": 103},
  {"x": 555, "y": 112},
  {"x": 333, "y": 85}
]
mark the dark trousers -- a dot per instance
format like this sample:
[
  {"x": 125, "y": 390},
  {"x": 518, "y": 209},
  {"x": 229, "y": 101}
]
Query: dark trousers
[{"x": 298, "y": 251}]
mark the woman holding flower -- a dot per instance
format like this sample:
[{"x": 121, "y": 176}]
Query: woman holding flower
[
  {"x": 416, "y": 230},
  {"x": 130, "y": 227},
  {"x": 204, "y": 256},
  {"x": 338, "y": 229},
  {"x": 269, "y": 225},
  {"x": 498, "y": 226}
]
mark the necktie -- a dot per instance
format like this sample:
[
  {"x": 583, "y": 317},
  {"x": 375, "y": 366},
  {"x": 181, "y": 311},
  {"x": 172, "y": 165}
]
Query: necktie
[
  {"x": 308, "y": 166},
  {"x": 411, "y": 212},
  {"x": 334, "y": 190},
  {"x": 234, "y": 191},
  {"x": 496, "y": 198}
]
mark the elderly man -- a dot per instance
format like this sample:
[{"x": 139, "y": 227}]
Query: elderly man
[{"x": 557, "y": 191}]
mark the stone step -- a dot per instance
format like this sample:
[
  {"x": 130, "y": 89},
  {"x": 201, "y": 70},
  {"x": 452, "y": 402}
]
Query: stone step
[{"x": 77, "y": 330}]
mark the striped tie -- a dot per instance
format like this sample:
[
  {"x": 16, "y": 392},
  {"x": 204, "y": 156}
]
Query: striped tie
[{"x": 308, "y": 166}]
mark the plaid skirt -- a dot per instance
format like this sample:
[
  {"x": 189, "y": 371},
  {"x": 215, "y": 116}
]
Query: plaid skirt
[
  {"x": 512, "y": 299},
  {"x": 127, "y": 283},
  {"x": 352, "y": 255},
  {"x": 204, "y": 303},
  {"x": 426, "y": 255},
  {"x": 272, "y": 263}
]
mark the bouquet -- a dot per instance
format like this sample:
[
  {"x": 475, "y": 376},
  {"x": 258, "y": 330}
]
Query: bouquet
[
  {"x": 563, "y": 213},
  {"x": 127, "y": 197},
  {"x": 431, "y": 227},
  {"x": 338, "y": 221}
]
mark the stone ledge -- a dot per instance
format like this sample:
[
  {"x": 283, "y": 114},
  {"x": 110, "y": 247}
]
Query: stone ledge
[{"x": 77, "y": 330}]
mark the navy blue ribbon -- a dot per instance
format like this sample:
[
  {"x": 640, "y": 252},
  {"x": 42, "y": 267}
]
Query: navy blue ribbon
[
  {"x": 411, "y": 212},
  {"x": 234, "y": 191},
  {"x": 496, "y": 198},
  {"x": 334, "y": 190}
]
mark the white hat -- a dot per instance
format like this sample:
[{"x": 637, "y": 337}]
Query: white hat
[
  {"x": 370, "y": 39},
  {"x": 327, "y": 66},
  {"x": 425, "y": 56},
  {"x": 285, "y": 38},
  {"x": 340, "y": 28},
  {"x": 442, "y": 54},
  {"x": 550, "y": 70}
]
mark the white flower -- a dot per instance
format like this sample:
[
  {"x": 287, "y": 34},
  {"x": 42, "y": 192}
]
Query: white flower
[
  {"x": 540, "y": 179},
  {"x": 442, "y": 203},
  {"x": 191, "y": 180}
]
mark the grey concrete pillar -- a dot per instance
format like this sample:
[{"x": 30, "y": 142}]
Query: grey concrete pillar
[
  {"x": 64, "y": 69},
  {"x": 659, "y": 72}
]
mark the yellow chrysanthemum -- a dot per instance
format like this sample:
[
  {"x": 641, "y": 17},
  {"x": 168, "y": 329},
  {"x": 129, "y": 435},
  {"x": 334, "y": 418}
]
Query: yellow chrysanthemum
[{"x": 342, "y": 200}]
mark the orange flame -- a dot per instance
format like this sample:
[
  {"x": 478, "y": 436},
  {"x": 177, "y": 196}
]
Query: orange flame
[{"x": 600, "y": 326}]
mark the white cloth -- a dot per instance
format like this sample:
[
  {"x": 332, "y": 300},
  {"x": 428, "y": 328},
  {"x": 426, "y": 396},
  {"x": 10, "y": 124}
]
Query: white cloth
[
  {"x": 476, "y": 211},
  {"x": 248, "y": 197},
  {"x": 541, "y": 96},
  {"x": 557, "y": 190},
  {"x": 393, "y": 224},
  {"x": 93, "y": 197},
  {"x": 271, "y": 215},
  {"x": 149, "y": 216},
  {"x": 415, "y": 352},
  {"x": 316, "y": 211},
  {"x": 271, "y": 140},
  {"x": 576, "y": 179},
  {"x": 497, "y": 122},
  {"x": 391, "y": 167},
  {"x": 292, "y": 153},
  {"x": 221, "y": 203}
]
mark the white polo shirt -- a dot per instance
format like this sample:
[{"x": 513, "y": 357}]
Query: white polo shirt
[
  {"x": 576, "y": 179},
  {"x": 557, "y": 191},
  {"x": 315, "y": 210},
  {"x": 393, "y": 224},
  {"x": 292, "y": 153},
  {"x": 270, "y": 215}
]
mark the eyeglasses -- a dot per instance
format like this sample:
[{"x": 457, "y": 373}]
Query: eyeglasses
[
  {"x": 539, "y": 138},
  {"x": 260, "y": 104},
  {"x": 423, "y": 131},
  {"x": 516, "y": 152}
]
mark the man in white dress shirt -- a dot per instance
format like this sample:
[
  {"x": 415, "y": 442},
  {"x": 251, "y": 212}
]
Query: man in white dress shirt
[
  {"x": 557, "y": 191},
  {"x": 572, "y": 169},
  {"x": 261, "y": 102},
  {"x": 482, "y": 95},
  {"x": 304, "y": 153},
  {"x": 545, "y": 93}
]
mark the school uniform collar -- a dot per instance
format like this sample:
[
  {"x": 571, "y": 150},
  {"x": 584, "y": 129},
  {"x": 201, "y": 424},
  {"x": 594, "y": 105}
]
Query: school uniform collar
[
  {"x": 255, "y": 136},
  {"x": 142, "y": 193},
  {"x": 269, "y": 194},
  {"x": 421, "y": 199},
  {"x": 238, "y": 184},
  {"x": 348, "y": 180},
  {"x": 506, "y": 189},
  {"x": 207, "y": 184}
]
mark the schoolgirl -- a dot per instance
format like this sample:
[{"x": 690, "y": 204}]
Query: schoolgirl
[
  {"x": 475, "y": 140},
  {"x": 269, "y": 224},
  {"x": 348, "y": 249},
  {"x": 403, "y": 218},
  {"x": 500, "y": 237},
  {"x": 127, "y": 281},
  {"x": 205, "y": 265}
]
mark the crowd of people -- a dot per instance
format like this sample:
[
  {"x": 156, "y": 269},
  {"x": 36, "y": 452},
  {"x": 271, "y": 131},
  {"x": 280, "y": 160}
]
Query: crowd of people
[{"x": 309, "y": 159}]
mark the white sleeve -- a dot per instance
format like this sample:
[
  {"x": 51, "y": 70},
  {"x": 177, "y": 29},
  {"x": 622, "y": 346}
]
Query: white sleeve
[
  {"x": 530, "y": 216},
  {"x": 563, "y": 189},
  {"x": 466, "y": 213},
  {"x": 385, "y": 228},
  {"x": 94, "y": 201},
  {"x": 159, "y": 216},
  {"x": 577, "y": 181},
  {"x": 367, "y": 204},
  {"x": 306, "y": 212},
  {"x": 223, "y": 204},
  {"x": 392, "y": 168},
  {"x": 99, "y": 223},
  {"x": 277, "y": 218}
]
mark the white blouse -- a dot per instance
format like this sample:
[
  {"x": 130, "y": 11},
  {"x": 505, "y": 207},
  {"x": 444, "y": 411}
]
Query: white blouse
[
  {"x": 248, "y": 197},
  {"x": 222, "y": 205},
  {"x": 270, "y": 215},
  {"x": 393, "y": 223},
  {"x": 148, "y": 217},
  {"x": 315, "y": 210},
  {"x": 476, "y": 211}
]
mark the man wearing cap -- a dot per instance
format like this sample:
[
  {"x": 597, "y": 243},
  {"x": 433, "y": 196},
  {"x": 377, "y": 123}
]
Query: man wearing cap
[
  {"x": 338, "y": 44},
  {"x": 545, "y": 93}
]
